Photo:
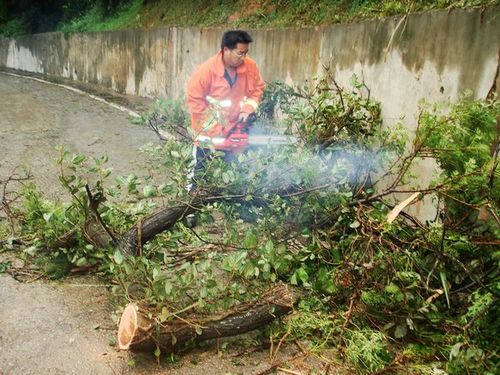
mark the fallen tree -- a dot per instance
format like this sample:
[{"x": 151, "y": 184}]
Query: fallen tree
[{"x": 330, "y": 220}]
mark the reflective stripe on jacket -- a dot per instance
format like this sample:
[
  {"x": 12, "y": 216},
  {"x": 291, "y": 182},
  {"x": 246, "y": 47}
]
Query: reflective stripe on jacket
[{"x": 208, "y": 80}]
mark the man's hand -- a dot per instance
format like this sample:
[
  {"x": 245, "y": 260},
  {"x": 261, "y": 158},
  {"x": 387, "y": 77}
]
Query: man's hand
[{"x": 243, "y": 117}]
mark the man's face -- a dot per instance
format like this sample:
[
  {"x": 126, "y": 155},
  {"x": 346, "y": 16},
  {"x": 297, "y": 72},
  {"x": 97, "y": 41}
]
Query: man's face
[{"x": 234, "y": 57}]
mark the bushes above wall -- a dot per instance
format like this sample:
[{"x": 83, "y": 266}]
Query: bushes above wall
[{"x": 29, "y": 16}]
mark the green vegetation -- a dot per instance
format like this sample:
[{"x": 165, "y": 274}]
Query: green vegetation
[
  {"x": 28, "y": 16},
  {"x": 96, "y": 19},
  {"x": 392, "y": 295}
]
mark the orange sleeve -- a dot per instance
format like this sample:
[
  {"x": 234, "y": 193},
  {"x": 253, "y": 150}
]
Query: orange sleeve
[
  {"x": 255, "y": 90},
  {"x": 197, "y": 90}
]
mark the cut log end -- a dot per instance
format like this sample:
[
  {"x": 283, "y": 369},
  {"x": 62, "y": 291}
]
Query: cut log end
[{"x": 128, "y": 327}]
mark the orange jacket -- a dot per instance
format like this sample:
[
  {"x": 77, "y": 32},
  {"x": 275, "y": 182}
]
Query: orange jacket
[{"x": 208, "y": 80}]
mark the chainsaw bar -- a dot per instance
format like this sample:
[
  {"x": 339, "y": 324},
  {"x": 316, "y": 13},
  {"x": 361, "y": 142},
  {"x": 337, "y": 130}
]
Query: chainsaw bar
[{"x": 271, "y": 140}]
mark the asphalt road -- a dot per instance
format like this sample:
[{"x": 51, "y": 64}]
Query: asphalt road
[{"x": 59, "y": 327}]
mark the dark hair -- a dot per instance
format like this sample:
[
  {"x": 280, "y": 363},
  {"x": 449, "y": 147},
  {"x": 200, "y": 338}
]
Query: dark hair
[{"x": 231, "y": 38}]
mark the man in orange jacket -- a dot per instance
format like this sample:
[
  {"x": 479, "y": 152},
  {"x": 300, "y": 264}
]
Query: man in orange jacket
[
  {"x": 231, "y": 80},
  {"x": 223, "y": 91}
]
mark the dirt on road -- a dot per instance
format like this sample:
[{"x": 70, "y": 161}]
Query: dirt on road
[{"x": 36, "y": 118}]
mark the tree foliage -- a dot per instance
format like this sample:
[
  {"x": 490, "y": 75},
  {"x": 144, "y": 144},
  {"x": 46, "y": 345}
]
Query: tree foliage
[
  {"x": 394, "y": 294},
  {"x": 29, "y": 17}
]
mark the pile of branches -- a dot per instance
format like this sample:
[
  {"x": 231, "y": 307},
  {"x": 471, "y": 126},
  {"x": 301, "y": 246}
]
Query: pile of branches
[{"x": 334, "y": 218}]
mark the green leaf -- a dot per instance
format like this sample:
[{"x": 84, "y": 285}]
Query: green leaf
[
  {"x": 203, "y": 292},
  {"x": 248, "y": 270},
  {"x": 355, "y": 224},
  {"x": 47, "y": 216},
  {"x": 444, "y": 282},
  {"x": 77, "y": 159},
  {"x": 400, "y": 331},
  {"x": 164, "y": 314},
  {"x": 455, "y": 350},
  {"x": 168, "y": 287},
  {"x": 392, "y": 288},
  {"x": 81, "y": 262},
  {"x": 250, "y": 239},
  {"x": 128, "y": 269},
  {"x": 269, "y": 246},
  {"x": 118, "y": 257},
  {"x": 149, "y": 191},
  {"x": 156, "y": 273},
  {"x": 302, "y": 274},
  {"x": 157, "y": 352},
  {"x": 4, "y": 266}
]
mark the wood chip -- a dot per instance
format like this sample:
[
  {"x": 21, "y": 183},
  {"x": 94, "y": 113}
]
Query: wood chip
[{"x": 396, "y": 210}]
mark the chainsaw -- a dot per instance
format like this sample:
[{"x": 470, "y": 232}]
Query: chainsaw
[{"x": 242, "y": 136}]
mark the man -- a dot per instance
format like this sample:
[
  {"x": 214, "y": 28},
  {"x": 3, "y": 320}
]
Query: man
[{"x": 222, "y": 92}]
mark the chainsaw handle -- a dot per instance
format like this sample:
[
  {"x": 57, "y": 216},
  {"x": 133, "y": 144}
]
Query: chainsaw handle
[
  {"x": 252, "y": 117},
  {"x": 250, "y": 121}
]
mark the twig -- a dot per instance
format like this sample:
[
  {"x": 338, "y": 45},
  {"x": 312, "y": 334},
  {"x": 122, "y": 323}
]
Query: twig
[
  {"x": 221, "y": 244},
  {"x": 301, "y": 348},
  {"x": 80, "y": 270},
  {"x": 13, "y": 177},
  {"x": 286, "y": 371},
  {"x": 279, "y": 345},
  {"x": 389, "y": 45},
  {"x": 139, "y": 237},
  {"x": 264, "y": 345},
  {"x": 94, "y": 201},
  {"x": 349, "y": 312},
  {"x": 273, "y": 367}
]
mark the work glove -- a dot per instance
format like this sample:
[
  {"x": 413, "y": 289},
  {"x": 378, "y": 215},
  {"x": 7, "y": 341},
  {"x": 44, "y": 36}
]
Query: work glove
[{"x": 242, "y": 118}]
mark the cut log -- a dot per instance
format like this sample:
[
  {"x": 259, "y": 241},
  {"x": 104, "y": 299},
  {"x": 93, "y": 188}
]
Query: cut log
[
  {"x": 137, "y": 332},
  {"x": 165, "y": 218},
  {"x": 134, "y": 327}
]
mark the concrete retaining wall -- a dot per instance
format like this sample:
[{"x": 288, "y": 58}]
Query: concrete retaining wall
[{"x": 433, "y": 56}]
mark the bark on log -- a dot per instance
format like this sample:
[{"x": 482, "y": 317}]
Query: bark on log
[
  {"x": 164, "y": 219},
  {"x": 136, "y": 332},
  {"x": 149, "y": 227}
]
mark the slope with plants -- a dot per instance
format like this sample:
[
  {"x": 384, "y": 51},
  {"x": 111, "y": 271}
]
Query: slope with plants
[{"x": 28, "y": 16}]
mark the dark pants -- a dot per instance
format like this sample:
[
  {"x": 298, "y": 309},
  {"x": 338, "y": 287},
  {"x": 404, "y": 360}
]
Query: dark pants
[{"x": 202, "y": 156}]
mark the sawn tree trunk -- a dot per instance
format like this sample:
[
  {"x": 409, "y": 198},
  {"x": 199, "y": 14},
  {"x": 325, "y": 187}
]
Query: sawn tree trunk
[{"x": 137, "y": 332}]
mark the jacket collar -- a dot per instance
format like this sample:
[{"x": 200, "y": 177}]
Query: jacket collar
[{"x": 219, "y": 65}]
